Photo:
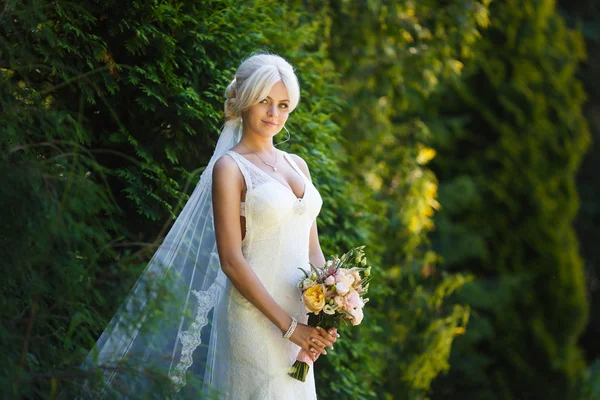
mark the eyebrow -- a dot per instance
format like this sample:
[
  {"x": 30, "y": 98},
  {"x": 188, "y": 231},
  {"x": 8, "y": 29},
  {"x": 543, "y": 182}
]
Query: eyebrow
[{"x": 269, "y": 97}]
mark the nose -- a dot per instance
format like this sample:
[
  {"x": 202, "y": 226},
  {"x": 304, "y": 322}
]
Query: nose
[{"x": 272, "y": 110}]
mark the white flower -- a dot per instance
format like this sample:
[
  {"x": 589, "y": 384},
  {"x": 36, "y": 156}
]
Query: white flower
[
  {"x": 341, "y": 288},
  {"x": 329, "y": 309},
  {"x": 330, "y": 281},
  {"x": 307, "y": 283}
]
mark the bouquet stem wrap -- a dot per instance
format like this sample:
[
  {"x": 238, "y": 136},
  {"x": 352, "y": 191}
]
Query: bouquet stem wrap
[
  {"x": 301, "y": 366},
  {"x": 304, "y": 360}
]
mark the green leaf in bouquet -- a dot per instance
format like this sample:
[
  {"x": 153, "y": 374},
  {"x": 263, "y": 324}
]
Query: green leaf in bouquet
[
  {"x": 306, "y": 274},
  {"x": 316, "y": 271},
  {"x": 354, "y": 269},
  {"x": 365, "y": 288}
]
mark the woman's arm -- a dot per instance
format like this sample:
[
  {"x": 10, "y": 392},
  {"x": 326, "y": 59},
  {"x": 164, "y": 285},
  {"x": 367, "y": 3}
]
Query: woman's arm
[
  {"x": 227, "y": 187},
  {"x": 315, "y": 254}
]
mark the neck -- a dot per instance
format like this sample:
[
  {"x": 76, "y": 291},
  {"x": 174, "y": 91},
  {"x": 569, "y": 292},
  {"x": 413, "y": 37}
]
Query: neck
[{"x": 257, "y": 144}]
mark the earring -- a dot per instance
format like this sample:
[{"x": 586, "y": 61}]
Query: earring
[{"x": 288, "y": 138}]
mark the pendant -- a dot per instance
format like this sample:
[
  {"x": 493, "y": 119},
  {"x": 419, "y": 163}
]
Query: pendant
[
  {"x": 299, "y": 207},
  {"x": 274, "y": 169}
]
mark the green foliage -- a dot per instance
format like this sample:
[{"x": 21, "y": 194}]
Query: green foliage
[
  {"x": 109, "y": 111},
  {"x": 392, "y": 57},
  {"x": 584, "y": 16},
  {"x": 131, "y": 92},
  {"x": 591, "y": 388},
  {"x": 510, "y": 139}
]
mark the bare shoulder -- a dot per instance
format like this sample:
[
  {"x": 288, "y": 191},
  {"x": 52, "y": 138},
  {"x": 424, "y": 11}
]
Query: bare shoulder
[
  {"x": 301, "y": 163},
  {"x": 226, "y": 170}
]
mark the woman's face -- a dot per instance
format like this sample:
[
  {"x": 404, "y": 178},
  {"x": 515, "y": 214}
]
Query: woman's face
[{"x": 267, "y": 117}]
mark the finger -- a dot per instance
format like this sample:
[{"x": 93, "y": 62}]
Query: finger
[
  {"x": 325, "y": 333},
  {"x": 333, "y": 334},
  {"x": 314, "y": 352},
  {"x": 320, "y": 334},
  {"x": 326, "y": 337},
  {"x": 318, "y": 347},
  {"x": 318, "y": 341}
]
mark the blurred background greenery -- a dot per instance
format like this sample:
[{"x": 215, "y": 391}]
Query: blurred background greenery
[{"x": 454, "y": 138}]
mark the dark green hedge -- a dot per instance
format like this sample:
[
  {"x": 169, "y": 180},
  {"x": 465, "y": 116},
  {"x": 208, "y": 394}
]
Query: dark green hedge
[
  {"x": 510, "y": 140},
  {"x": 109, "y": 110}
]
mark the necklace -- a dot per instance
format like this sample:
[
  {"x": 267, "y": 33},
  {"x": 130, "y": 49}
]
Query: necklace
[
  {"x": 270, "y": 165},
  {"x": 299, "y": 206}
]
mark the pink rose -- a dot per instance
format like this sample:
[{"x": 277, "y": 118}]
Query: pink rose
[
  {"x": 349, "y": 278},
  {"x": 353, "y": 300},
  {"x": 357, "y": 315},
  {"x": 339, "y": 301},
  {"x": 330, "y": 281},
  {"x": 341, "y": 277}
]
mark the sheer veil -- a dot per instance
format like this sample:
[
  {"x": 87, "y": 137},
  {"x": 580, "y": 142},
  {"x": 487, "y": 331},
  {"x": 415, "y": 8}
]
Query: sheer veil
[
  {"x": 177, "y": 306},
  {"x": 148, "y": 345}
]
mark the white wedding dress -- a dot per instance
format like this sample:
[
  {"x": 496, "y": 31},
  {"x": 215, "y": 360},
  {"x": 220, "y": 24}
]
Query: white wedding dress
[{"x": 253, "y": 359}]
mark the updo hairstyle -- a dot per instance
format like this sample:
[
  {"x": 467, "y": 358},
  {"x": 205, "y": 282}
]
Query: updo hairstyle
[{"x": 253, "y": 81}]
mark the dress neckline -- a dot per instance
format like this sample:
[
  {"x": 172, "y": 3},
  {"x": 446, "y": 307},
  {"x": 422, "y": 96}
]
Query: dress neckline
[{"x": 294, "y": 167}]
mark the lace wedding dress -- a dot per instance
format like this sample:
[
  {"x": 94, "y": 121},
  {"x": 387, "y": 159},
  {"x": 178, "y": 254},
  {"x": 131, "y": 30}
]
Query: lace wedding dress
[{"x": 275, "y": 244}]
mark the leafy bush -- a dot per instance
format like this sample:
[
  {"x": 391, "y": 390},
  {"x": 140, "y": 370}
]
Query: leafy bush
[{"x": 510, "y": 140}]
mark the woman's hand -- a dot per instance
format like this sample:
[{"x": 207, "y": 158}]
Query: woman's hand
[
  {"x": 332, "y": 333},
  {"x": 313, "y": 340}
]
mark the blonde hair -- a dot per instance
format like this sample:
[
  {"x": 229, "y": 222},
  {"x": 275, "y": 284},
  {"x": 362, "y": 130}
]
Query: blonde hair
[{"x": 253, "y": 81}]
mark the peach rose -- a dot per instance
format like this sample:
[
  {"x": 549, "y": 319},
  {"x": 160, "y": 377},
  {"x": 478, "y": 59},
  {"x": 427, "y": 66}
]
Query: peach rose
[
  {"x": 356, "y": 276},
  {"x": 339, "y": 301},
  {"x": 314, "y": 298}
]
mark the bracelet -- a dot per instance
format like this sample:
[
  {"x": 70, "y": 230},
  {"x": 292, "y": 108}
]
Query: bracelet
[{"x": 290, "y": 329}]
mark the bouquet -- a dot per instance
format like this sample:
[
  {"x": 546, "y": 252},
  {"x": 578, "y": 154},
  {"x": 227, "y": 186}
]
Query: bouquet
[{"x": 333, "y": 295}]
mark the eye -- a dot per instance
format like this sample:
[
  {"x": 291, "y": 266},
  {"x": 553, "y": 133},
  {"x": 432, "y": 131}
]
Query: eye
[
  {"x": 263, "y": 101},
  {"x": 284, "y": 105}
]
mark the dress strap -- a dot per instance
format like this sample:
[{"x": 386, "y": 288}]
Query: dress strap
[
  {"x": 294, "y": 165},
  {"x": 242, "y": 166}
]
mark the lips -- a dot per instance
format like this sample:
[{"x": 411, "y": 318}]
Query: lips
[{"x": 270, "y": 123}]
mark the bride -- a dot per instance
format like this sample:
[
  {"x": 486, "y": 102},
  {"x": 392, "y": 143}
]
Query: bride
[
  {"x": 265, "y": 209},
  {"x": 217, "y": 310}
]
